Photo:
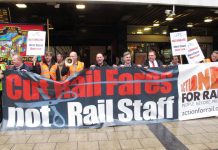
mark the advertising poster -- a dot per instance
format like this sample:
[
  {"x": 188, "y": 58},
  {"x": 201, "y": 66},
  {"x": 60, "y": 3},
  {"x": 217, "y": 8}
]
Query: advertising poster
[{"x": 13, "y": 39}]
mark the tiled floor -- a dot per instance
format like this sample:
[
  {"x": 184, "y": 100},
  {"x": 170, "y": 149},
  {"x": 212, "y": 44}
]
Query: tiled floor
[{"x": 198, "y": 134}]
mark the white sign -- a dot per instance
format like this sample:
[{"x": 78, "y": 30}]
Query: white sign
[
  {"x": 36, "y": 43},
  {"x": 178, "y": 43},
  {"x": 194, "y": 53},
  {"x": 197, "y": 87}
]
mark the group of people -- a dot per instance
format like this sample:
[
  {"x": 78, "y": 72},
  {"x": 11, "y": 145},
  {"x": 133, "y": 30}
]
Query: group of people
[{"x": 59, "y": 70}]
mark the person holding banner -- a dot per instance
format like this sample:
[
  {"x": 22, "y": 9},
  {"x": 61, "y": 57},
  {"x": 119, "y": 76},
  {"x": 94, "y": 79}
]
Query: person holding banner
[
  {"x": 60, "y": 63},
  {"x": 72, "y": 65},
  {"x": 152, "y": 62},
  {"x": 213, "y": 57},
  {"x": 127, "y": 62},
  {"x": 99, "y": 61},
  {"x": 2, "y": 68},
  {"x": 174, "y": 61},
  {"x": 18, "y": 64},
  {"x": 47, "y": 68}
]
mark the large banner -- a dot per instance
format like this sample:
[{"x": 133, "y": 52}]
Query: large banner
[
  {"x": 93, "y": 98},
  {"x": 198, "y": 90}
]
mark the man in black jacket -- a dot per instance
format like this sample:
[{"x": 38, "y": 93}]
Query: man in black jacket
[
  {"x": 152, "y": 62},
  {"x": 99, "y": 61}
]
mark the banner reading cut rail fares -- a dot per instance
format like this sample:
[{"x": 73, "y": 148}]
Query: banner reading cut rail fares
[
  {"x": 198, "y": 91},
  {"x": 108, "y": 97},
  {"x": 99, "y": 97}
]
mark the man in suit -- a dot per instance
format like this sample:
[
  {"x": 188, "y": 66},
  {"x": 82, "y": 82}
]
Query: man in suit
[
  {"x": 152, "y": 62},
  {"x": 18, "y": 64}
]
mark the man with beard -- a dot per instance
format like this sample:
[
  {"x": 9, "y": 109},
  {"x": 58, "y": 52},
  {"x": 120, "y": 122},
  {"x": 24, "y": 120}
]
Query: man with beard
[
  {"x": 47, "y": 68},
  {"x": 60, "y": 64}
]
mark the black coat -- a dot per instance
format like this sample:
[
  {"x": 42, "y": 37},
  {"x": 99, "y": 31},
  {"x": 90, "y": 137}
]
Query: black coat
[
  {"x": 24, "y": 67},
  {"x": 104, "y": 64}
]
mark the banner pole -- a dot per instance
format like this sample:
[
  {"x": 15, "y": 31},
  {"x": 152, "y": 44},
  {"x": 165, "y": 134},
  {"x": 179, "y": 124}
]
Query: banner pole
[
  {"x": 181, "y": 59},
  {"x": 48, "y": 34}
]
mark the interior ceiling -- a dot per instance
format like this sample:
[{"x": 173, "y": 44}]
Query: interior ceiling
[{"x": 101, "y": 23}]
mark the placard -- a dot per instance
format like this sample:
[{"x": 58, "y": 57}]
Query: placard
[
  {"x": 36, "y": 43},
  {"x": 194, "y": 53},
  {"x": 178, "y": 43}
]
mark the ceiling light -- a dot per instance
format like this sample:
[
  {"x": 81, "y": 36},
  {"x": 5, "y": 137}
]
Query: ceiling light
[
  {"x": 208, "y": 19},
  {"x": 21, "y": 5},
  {"x": 190, "y": 25},
  {"x": 175, "y": 29},
  {"x": 147, "y": 29},
  {"x": 80, "y": 6},
  {"x": 156, "y": 23},
  {"x": 169, "y": 18},
  {"x": 164, "y": 32},
  {"x": 139, "y": 32},
  {"x": 57, "y": 6}
]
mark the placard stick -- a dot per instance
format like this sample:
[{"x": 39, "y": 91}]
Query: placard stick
[
  {"x": 48, "y": 34},
  {"x": 180, "y": 59}
]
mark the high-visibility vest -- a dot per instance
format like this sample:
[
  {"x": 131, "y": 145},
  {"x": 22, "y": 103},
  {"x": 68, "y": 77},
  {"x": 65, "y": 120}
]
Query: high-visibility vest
[
  {"x": 206, "y": 60},
  {"x": 78, "y": 68},
  {"x": 48, "y": 73},
  {"x": 73, "y": 70},
  {"x": 3, "y": 67}
]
